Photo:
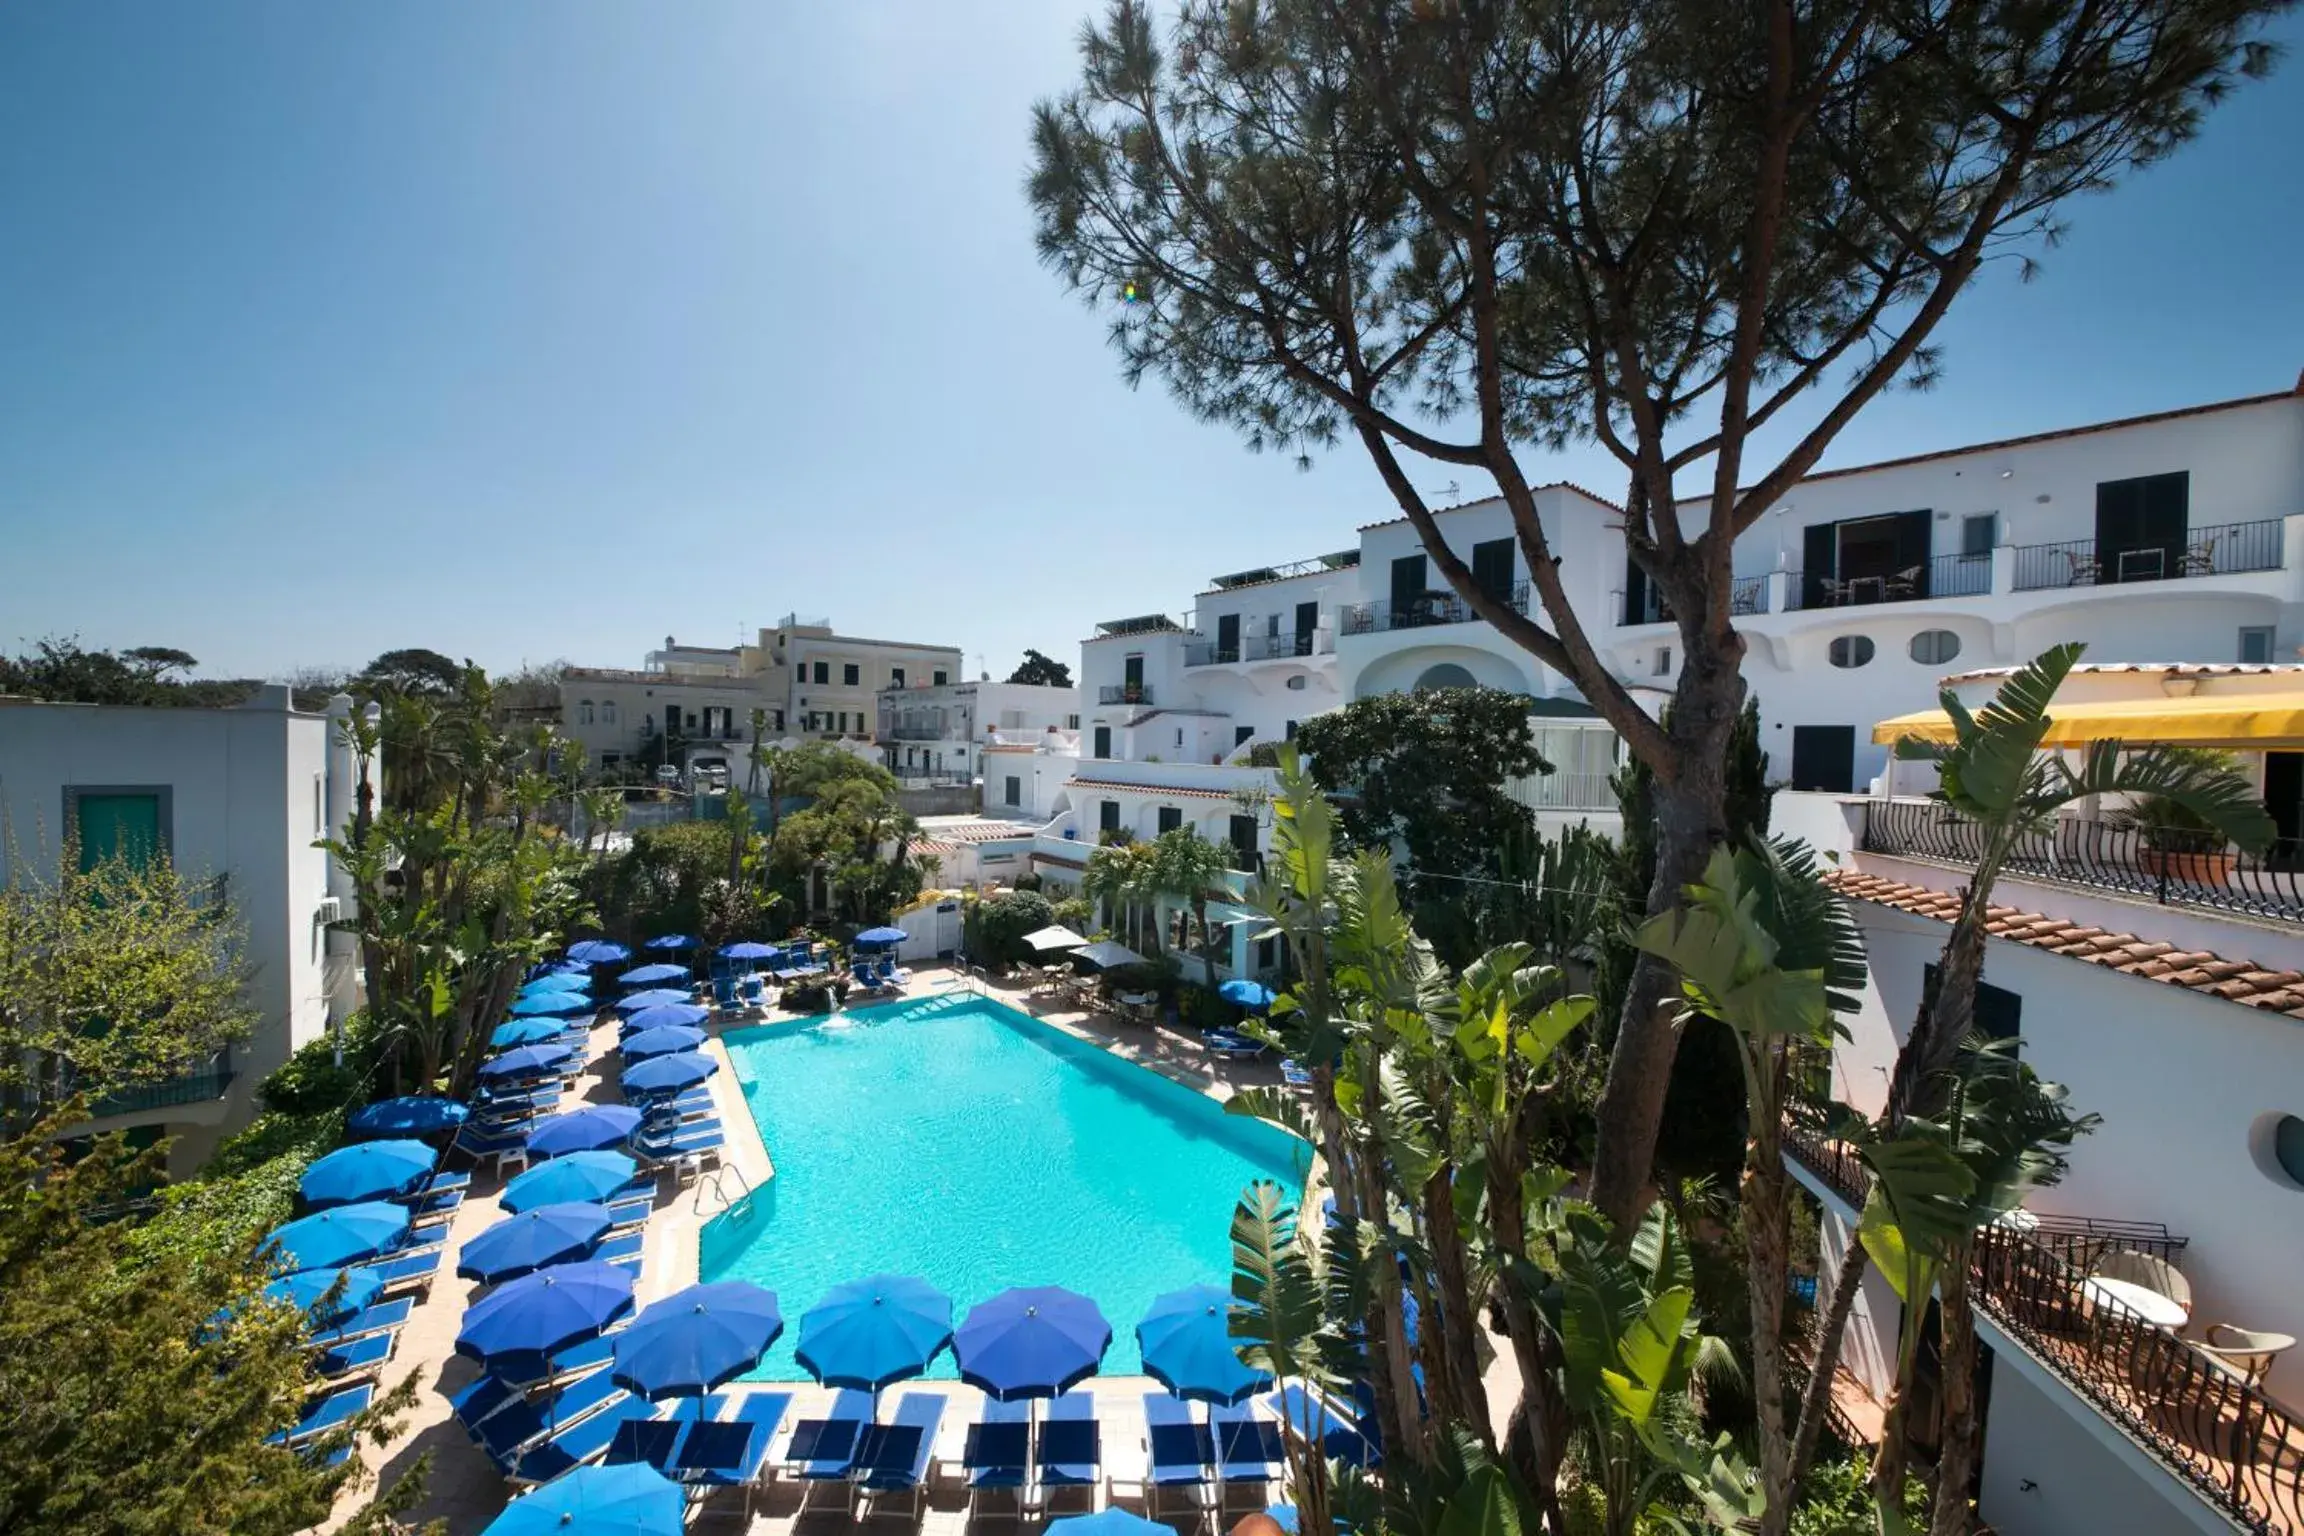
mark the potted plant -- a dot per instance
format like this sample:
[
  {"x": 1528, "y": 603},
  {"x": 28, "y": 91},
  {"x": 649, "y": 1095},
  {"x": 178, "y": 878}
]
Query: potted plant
[{"x": 2174, "y": 841}]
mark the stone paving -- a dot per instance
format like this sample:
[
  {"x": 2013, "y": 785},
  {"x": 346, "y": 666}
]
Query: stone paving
[{"x": 464, "y": 1490}]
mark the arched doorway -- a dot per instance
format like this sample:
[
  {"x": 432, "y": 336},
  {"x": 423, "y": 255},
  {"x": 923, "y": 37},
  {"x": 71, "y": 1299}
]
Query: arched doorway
[{"x": 1445, "y": 675}]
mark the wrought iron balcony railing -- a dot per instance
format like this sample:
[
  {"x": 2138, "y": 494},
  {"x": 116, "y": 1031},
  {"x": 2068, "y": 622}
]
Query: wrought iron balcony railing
[
  {"x": 2174, "y": 869},
  {"x": 2224, "y": 550},
  {"x": 211, "y": 1080},
  {"x": 1124, "y": 693},
  {"x": 1423, "y": 611},
  {"x": 1210, "y": 653}
]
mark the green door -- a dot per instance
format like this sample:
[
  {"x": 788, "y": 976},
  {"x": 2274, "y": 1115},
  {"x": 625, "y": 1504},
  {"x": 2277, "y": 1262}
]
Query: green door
[{"x": 125, "y": 826}]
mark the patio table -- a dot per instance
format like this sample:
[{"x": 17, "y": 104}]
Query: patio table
[{"x": 2135, "y": 1301}]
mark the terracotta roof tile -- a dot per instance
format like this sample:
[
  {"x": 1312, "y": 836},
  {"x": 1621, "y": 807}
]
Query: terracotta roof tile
[
  {"x": 2240, "y": 981},
  {"x": 1162, "y": 790}
]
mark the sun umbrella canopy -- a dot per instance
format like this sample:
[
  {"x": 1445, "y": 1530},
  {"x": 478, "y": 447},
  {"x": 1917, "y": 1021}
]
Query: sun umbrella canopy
[
  {"x": 343, "y": 1234},
  {"x": 1058, "y": 937},
  {"x": 1187, "y": 1346},
  {"x": 881, "y": 938},
  {"x": 693, "y": 1340},
  {"x": 526, "y": 1032},
  {"x": 681, "y": 1015},
  {"x": 367, "y": 1170},
  {"x": 593, "y": 1128},
  {"x": 522, "y": 1244},
  {"x": 867, "y": 1333},
  {"x": 578, "y": 1176},
  {"x": 548, "y": 1310},
  {"x": 655, "y": 997},
  {"x": 1031, "y": 1341},
  {"x": 1314, "y": 1420},
  {"x": 746, "y": 949},
  {"x": 526, "y": 1061},
  {"x": 664, "y": 1040},
  {"x": 1108, "y": 954},
  {"x": 559, "y": 981},
  {"x": 629, "y": 1498},
  {"x": 667, "y": 942},
  {"x": 411, "y": 1116},
  {"x": 1252, "y": 995},
  {"x": 307, "y": 1289},
  {"x": 668, "y": 1074},
  {"x": 1111, "y": 1521},
  {"x": 641, "y": 976},
  {"x": 598, "y": 952},
  {"x": 545, "y": 1005}
]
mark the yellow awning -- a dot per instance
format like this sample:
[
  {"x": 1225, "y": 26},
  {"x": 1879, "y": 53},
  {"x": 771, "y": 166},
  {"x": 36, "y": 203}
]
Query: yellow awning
[{"x": 2251, "y": 720}]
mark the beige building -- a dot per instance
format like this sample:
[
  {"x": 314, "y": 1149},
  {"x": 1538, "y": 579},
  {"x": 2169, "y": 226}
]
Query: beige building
[{"x": 807, "y": 682}]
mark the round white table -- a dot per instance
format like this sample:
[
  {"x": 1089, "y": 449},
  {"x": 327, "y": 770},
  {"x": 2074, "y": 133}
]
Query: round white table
[
  {"x": 2135, "y": 1301},
  {"x": 2017, "y": 1220}
]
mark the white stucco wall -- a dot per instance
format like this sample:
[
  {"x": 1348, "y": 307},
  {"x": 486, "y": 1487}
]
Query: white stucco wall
[{"x": 2049, "y": 1471}]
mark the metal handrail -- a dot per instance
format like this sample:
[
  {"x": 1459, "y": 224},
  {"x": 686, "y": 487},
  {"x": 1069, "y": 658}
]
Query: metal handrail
[
  {"x": 2223, "y": 549},
  {"x": 2174, "y": 869},
  {"x": 1124, "y": 693},
  {"x": 1429, "y": 609}
]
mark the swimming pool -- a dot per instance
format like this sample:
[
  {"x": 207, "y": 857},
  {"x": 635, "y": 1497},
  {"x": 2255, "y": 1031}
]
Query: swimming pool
[{"x": 958, "y": 1139}]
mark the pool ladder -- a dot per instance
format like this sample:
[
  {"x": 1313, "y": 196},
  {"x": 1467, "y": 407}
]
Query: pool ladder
[{"x": 738, "y": 1206}]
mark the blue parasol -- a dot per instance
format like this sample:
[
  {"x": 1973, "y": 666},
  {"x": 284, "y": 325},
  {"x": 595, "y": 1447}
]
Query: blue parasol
[
  {"x": 1109, "y": 1521},
  {"x": 559, "y": 981},
  {"x": 655, "y": 997},
  {"x": 1031, "y": 1341},
  {"x": 748, "y": 949},
  {"x": 522, "y": 1244},
  {"x": 526, "y": 1061},
  {"x": 366, "y": 1170},
  {"x": 1185, "y": 1339},
  {"x": 546, "y": 1311},
  {"x": 667, "y": 1074},
  {"x": 693, "y": 1340},
  {"x": 626, "y": 1498},
  {"x": 598, "y": 952},
  {"x": 641, "y": 976},
  {"x": 411, "y": 1116},
  {"x": 344, "y": 1234},
  {"x": 867, "y": 1333},
  {"x": 594, "y": 1128},
  {"x": 1251, "y": 995},
  {"x": 307, "y": 1289},
  {"x": 591, "y": 1175},
  {"x": 663, "y": 1015},
  {"x": 547, "y": 1005},
  {"x": 880, "y": 938},
  {"x": 526, "y": 1032},
  {"x": 664, "y": 1040},
  {"x": 669, "y": 942}
]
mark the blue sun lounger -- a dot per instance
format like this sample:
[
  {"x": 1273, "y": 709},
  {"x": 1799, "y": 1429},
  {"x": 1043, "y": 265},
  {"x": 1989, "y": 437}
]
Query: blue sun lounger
[
  {"x": 586, "y": 1440},
  {"x": 893, "y": 1458},
  {"x": 632, "y": 1212},
  {"x": 623, "y": 1248},
  {"x": 998, "y": 1452},
  {"x": 730, "y": 1453},
  {"x": 517, "y": 1424},
  {"x": 527, "y": 1371},
  {"x": 1249, "y": 1456},
  {"x": 478, "y": 1398},
  {"x": 380, "y": 1318},
  {"x": 324, "y": 1414},
  {"x": 655, "y": 1440},
  {"x": 1178, "y": 1454},
  {"x": 823, "y": 1451},
  {"x": 355, "y": 1358},
  {"x": 1070, "y": 1452},
  {"x": 1233, "y": 1047},
  {"x": 408, "y": 1270}
]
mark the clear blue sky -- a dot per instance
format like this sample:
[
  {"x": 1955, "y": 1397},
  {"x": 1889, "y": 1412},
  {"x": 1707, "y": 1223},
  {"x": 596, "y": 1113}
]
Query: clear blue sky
[{"x": 529, "y": 329}]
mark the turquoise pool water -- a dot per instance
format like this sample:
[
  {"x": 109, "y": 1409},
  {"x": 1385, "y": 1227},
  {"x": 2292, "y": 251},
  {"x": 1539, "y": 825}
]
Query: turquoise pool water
[{"x": 961, "y": 1140}]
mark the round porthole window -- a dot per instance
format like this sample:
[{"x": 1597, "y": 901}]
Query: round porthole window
[
  {"x": 1851, "y": 650},
  {"x": 1297, "y": 683},
  {"x": 1934, "y": 647},
  {"x": 2276, "y": 1141}
]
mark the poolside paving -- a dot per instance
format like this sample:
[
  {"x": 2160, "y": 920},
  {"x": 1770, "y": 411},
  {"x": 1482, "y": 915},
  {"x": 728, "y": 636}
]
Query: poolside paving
[{"x": 464, "y": 1490}]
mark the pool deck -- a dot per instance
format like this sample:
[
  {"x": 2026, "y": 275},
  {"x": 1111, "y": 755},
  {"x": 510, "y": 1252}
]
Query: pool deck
[{"x": 464, "y": 1491}]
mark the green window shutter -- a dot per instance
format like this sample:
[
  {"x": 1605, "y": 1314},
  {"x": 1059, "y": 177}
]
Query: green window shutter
[{"x": 117, "y": 826}]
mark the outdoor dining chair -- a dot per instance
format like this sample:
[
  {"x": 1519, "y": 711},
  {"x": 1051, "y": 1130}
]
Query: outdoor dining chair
[{"x": 2245, "y": 1351}]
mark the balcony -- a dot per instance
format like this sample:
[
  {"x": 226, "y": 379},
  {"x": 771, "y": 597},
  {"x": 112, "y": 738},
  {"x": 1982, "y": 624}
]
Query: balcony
[
  {"x": 1209, "y": 653},
  {"x": 1124, "y": 693},
  {"x": 1746, "y": 595},
  {"x": 915, "y": 732},
  {"x": 2228, "y": 549},
  {"x": 2238, "y": 1447},
  {"x": 2200, "y": 874},
  {"x": 211, "y": 1080},
  {"x": 1421, "y": 612},
  {"x": 1957, "y": 575}
]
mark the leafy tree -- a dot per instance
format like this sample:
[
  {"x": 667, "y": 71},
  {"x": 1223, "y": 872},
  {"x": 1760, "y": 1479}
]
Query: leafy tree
[
  {"x": 122, "y": 974},
  {"x": 1462, "y": 230},
  {"x": 1428, "y": 772},
  {"x": 1189, "y": 868},
  {"x": 412, "y": 672},
  {"x": 1044, "y": 671},
  {"x": 1005, "y": 919},
  {"x": 1123, "y": 878},
  {"x": 61, "y": 672}
]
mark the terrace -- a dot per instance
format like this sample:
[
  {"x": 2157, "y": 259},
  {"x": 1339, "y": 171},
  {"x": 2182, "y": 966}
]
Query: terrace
[
  {"x": 1215, "y": 653},
  {"x": 1425, "y": 610},
  {"x": 2215, "y": 1430}
]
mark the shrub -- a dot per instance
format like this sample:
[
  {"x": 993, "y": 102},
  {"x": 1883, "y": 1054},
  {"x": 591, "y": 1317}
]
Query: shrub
[
  {"x": 1147, "y": 976},
  {"x": 311, "y": 1082},
  {"x": 1199, "y": 1008},
  {"x": 1003, "y": 921}
]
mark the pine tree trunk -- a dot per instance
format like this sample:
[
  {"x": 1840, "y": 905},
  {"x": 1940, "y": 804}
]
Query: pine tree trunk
[
  {"x": 1691, "y": 815},
  {"x": 1767, "y": 1242}
]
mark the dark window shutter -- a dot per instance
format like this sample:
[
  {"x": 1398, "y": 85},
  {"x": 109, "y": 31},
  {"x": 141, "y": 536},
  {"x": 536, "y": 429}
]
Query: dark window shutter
[
  {"x": 1492, "y": 567},
  {"x": 1635, "y": 592},
  {"x": 1408, "y": 580},
  {"x": 1912, "y": 534},
  {"x": 1819, "y": 561}
]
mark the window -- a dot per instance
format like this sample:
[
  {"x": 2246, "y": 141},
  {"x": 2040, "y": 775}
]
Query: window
[
  {"x": 1851, "y": 650},
  {"x": 607, "y": 711},
  {"x": 1492, "y": 568},
  {"x": 319, "y": 806},
  {"x": 1170, "y": 818},
  {"x": 129, "y": 824},
  {"x": 851, "y": 674},
  {"x": 1267, "y": 955},
  {"x": 1288, "y": 732},
  {"x": 610, "y": 759},
  {"x": 1243, "y": 734},
  {"x": 1663, "y": 666},
  {"x": 1934, "y": 647},
  {"x": 779, "y": 719},
  {"x": 583, "y": 711},
  {"x": 1979, "y": 531},
  {"x": 1297, "y": 682},
  {"x": 2287, "y": 1147},
  {"x": 799, "y": 671},
  {"x": 895, "y": 677},
  {"x": 1240, "y": 832},
  {"x": 1179, "y": 736},
  {"x": 1013, "y": 791},
  {"x": 1108, "y": 815},
  {"x": 941, "y": 678},
  {"x": 2256, "y": 643},
  {"x": 1999, "y": 1012},
  {"x": 1071, "y": 722},
  {"x": 823, "y": 672}
]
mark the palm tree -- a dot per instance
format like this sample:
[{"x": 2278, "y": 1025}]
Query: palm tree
[
  {"x": 1120, "y": 875},
  {"x": 1189, "y": 867}
]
